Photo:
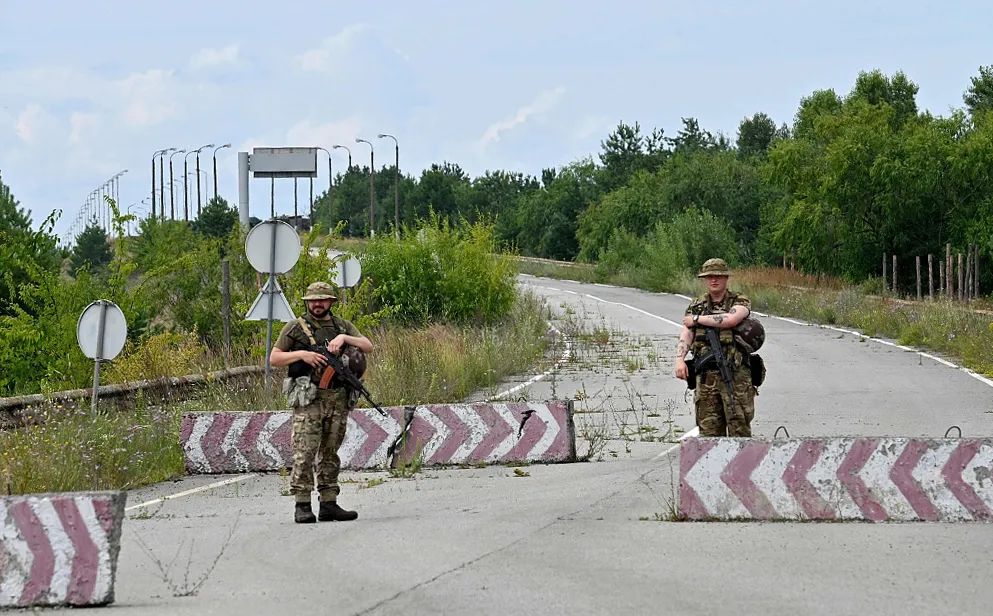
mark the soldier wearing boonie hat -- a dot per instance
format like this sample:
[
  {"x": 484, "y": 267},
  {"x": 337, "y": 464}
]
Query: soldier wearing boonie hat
[
  {"x": 319, "y": 415},
  {"x": 717, "y": 413}
]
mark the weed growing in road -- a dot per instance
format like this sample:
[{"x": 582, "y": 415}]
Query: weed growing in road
[{"x": 184, "y": 586}]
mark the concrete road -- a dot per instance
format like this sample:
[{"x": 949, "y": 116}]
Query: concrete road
[{"x": 592, "y": 537}]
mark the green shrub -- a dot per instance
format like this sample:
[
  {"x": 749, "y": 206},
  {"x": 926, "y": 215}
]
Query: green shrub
[{"x": 441, "y": 271}]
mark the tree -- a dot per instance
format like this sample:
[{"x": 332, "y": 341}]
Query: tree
[
  {"x": 625, "y": 152},
  {"x": 91, "y": 252},
  {"x": 979, "y": 96},
  {"x": 875, "y": 88},
  {"x": 691, "y": 137},
  {"x": 24, "y": 253},
  {"x": 755, "y": 135},
  {"x": 216, "y": 219}
]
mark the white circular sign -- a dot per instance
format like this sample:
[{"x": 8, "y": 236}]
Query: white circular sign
[
  {"x": 259, "y": 247},
  {"x": 348, "y": 271},
  {"x": 115, "y": 330}
]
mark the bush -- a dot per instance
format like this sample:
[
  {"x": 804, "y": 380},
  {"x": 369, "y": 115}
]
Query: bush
[{"x": 441, "y": 271}]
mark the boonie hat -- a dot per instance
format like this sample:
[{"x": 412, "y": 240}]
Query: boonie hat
[
  {"x": 714, "y": 267},
  {"x": 319, "y": 290}
]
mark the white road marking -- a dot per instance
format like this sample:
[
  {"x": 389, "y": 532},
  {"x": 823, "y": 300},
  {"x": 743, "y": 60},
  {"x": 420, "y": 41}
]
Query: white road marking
[
  {"x": 211, "y": 486},
  {"x": 694, "y": 432}
]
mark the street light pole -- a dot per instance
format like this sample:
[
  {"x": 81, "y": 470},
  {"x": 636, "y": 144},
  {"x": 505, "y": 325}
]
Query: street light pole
[
  {"x": 209, "y": 145},
  {"x": 220, "y": 147},
  {"x": 186, "y": 190},
  {"x": 162, "y": 182},
  {"x": 157, "y": 152},
  {"x": 172, "y": 196},
  {"x": 330, "y": 188},
  {"x": 344, "y": 147},
  {"x": 396, "y": 185},
  {"x": 372, "y": 186}
]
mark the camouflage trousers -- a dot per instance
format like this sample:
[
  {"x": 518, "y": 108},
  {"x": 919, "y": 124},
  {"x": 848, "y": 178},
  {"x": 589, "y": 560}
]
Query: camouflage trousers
[
  {"x": 715, "y": 416},
  {"x": 318, "y": 432}
]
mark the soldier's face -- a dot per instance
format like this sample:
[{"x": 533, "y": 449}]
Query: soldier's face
[
  {"x": 716, "y": 285},
  {"x": 318, "y": 308}
]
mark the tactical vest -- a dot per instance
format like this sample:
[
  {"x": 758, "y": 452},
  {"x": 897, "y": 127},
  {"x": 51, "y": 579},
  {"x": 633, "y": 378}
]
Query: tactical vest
[
  {"x": 320, "y": 335},
  {"x": 701, "y": 346}
]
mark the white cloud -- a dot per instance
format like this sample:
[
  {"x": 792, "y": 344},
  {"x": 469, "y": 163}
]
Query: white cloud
[
  {"x": 306, "y": 133},
  {"x": 149, "y": 97},
  {"x": 211, "y": 58},
  {"x": 328, "y": 55},
  {"x": 34, "y": 124},
  {"x": 82, "y": 126},
  {"x": 543, "y": 103}
]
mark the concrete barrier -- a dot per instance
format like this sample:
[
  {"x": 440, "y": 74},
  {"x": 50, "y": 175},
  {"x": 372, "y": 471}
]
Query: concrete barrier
[
  {"x": 872, "y": 479},
  {"x": 59, "y": 549},
  {"x": 437, "y": 434}
]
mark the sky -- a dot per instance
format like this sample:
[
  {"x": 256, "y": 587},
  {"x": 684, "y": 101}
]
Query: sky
[{"x": 89, "y": 89}]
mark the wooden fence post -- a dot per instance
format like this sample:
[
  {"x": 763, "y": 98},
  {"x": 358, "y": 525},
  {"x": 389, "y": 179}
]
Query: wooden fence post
[
  {"x": 976, "y": 269},
  {"x": 930, "y": 276},
  {"x": 961, "y": 275},
  {"x": 885, "y": 286},
  {"x": 226, "y": 308},
  {"x": 895, "y": 293},
  {"x": 918, "y": 262},
  {"x": 949, "y": 278}
]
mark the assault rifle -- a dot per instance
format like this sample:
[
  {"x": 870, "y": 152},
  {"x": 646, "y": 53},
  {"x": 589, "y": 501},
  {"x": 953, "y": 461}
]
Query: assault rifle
[
  {"x": 335, "y": 372},
  {"x": 716, "y": 355}
]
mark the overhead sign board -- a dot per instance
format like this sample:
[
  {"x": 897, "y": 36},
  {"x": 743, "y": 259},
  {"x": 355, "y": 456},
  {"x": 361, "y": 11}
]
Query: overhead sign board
[{"x": 284, "y": 162}]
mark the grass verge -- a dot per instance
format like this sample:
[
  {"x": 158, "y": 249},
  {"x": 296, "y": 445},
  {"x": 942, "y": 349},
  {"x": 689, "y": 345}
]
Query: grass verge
[{"x": 438, "y": 363}]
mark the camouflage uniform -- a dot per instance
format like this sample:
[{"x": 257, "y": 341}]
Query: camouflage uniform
[
  {"x": 713, "y": 416},
  {"x": 319, "y": 427}
]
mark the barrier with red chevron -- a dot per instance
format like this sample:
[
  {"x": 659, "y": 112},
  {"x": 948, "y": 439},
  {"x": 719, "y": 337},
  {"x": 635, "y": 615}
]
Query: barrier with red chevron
[
  {"x": 874, "y": 479},
  {"x": 437, "y": 434},
  {"x": 59, "y": 549}
]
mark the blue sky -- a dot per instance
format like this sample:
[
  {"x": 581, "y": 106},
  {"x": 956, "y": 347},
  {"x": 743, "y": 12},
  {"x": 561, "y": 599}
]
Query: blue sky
[{"x": 90, "y": 89}]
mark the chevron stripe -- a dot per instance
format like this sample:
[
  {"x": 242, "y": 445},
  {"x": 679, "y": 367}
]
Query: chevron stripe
[
  {"x": 56, "y": 550},
  {"x": 442, "y": 434},
  {"x": 874, "y": 479}
]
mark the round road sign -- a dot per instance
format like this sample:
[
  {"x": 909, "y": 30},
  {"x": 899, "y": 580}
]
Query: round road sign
[
  {"x": 272, "y": 238},
  {"x": 348, "y": 271},
  {"x": 115, "y": 330}
]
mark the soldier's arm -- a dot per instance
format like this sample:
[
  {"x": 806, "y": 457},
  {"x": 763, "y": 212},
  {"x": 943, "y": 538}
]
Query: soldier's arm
[
  {"x": 683, "y": 347},
  {"x": 281, "y": 355},
  {"x": 352, "y": 337},
  {"x": 725, "y": 320}
]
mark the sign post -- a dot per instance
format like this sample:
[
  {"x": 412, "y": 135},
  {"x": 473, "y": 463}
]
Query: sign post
[
  {"x": 272, "y": 247},
  {"x": 101, "y": 332}
]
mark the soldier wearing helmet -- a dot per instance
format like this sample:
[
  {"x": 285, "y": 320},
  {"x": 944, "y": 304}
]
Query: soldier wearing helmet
[
  {"x": 724, "y": 310},
  {"x": 319, "y": 415}
]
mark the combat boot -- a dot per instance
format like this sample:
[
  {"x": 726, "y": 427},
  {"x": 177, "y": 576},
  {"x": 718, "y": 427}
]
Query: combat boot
[
  {"x": 303, "y": 514},
  {"x": 331, "y": 512}
]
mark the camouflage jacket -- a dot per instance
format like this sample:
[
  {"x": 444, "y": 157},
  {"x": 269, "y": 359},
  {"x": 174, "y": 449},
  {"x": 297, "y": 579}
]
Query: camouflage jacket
[{"x": 702, "y": 305}]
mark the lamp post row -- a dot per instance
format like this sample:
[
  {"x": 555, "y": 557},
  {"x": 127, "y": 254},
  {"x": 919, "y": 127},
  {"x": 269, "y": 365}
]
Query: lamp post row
[
  {"x": 160, "y": 211},
  {"x": 160, "y": 154}
]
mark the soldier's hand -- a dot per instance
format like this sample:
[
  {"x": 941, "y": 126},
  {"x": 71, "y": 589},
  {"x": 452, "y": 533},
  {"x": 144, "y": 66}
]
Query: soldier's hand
[
  {"x": 335, "y": 344},
  {"x": 689, "y": 322},
  {"x": 682, "y": 371},
  {"x": 313, "y": 359}
]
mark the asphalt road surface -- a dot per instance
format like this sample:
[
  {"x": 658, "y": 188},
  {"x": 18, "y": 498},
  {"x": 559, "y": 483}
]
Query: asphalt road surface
[{"x": 591, "y": 537}]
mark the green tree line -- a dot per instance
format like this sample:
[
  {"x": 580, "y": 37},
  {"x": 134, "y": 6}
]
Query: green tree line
[{"x": 852, "y": 176}]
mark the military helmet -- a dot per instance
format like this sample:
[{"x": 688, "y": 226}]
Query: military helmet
[
  {"x": 749, "y": 335},
  {"x": 319, "y": 290},
  {"x": 714, "y": 267},
  {"x": 354, "y": 360}
]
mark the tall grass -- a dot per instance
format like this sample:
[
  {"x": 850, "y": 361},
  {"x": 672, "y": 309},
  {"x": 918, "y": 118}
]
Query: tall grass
[{"x": 113, "y": 450}]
